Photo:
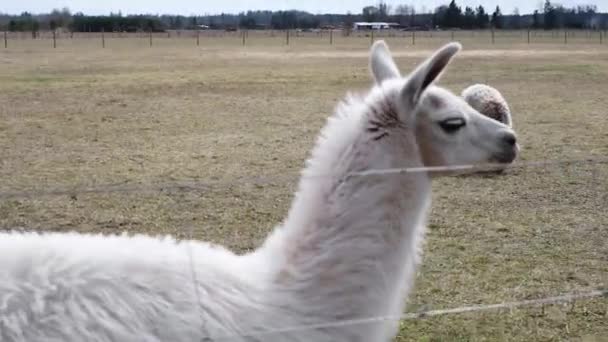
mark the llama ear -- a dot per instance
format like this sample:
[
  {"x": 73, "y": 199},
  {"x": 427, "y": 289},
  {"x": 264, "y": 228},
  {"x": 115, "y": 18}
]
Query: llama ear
[
  {"x": 426, "y": 73},
  {"x": 382, "y": 64}
]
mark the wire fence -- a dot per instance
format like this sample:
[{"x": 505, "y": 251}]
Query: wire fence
[
  {"x": 567, "y": 298},
  {"x": 198, "y": 186},
  {"x": 190, "y": 185},
  {"x": 308, "y": 37}
]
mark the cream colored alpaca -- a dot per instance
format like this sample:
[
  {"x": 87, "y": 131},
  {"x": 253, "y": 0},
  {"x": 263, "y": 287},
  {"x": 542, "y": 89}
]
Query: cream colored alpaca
[
  {"x": 348, "y": 248},
  {"x": 489, "y": 102}
]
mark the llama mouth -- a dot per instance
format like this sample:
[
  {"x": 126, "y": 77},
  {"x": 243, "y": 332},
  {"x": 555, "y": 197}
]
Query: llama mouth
[{"x": 504, "y": 158}]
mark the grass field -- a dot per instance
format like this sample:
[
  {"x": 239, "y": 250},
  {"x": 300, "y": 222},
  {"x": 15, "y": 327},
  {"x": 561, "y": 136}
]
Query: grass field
[{"x": 241, "y": 121}]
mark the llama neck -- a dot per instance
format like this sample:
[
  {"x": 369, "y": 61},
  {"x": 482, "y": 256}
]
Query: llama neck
[{"x": 351, "y": 242}]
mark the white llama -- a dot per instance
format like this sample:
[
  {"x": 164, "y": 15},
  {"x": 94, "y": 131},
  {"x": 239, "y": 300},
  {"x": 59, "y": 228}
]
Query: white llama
[
  {"x": 348, "y": 248},
  {"x": 489, "y": 102}
]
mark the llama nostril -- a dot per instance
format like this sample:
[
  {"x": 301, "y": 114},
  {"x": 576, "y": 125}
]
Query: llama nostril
[{"x": 509, "y": 139}]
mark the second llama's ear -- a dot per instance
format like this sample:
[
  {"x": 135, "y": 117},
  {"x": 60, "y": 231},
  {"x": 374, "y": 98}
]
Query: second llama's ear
[
  {"x": 382, "y": 64},
  {"x": 427, "y": 73}
]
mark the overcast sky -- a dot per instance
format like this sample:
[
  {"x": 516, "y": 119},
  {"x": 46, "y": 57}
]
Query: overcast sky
[{"x": 199, "y": 7}]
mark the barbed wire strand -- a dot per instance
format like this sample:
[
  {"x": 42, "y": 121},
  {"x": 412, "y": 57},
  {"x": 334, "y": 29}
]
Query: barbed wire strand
[
  {"x": 204, "y": 186},
  {"x": 430, "y": 313},
  {"x": 193, "y": 274},
  {"x": 567, "y": 298},
  {"x": 126, "y": 187}
]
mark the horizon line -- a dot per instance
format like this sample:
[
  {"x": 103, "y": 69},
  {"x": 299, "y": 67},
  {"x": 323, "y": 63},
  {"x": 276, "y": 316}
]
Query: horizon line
[{"x": 119, "y": 12}]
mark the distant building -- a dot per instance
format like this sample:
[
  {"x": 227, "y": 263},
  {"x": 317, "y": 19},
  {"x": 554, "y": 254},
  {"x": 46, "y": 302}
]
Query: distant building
[{"x": 374, "y": 26}]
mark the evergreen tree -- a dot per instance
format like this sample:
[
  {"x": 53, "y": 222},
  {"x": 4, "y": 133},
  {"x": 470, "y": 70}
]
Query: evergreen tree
[
  {"x": 497, "y": 18},
  {"x": 12, "y": 26},
  {"x": 515, "y": 19},
  {"x": 370, "y": 13},
  {"x": 469, "y": 18},
  {"x": 383, "y": 10},
  {"x": 481, "y": 18},
  {"x": 440, "y": 15},
  {"x": 535, "y": 20},
  {"x": 453, "y": 15},
  {"x": 550, "y": 16}
]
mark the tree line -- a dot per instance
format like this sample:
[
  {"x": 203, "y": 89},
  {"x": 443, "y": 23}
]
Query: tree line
[
  {"x": 552, "y": 16},
  {"x": 451, "y": 16}
]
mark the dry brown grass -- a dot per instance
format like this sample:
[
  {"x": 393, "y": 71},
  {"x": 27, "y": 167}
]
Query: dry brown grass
[{"x": 242, "y": 120}]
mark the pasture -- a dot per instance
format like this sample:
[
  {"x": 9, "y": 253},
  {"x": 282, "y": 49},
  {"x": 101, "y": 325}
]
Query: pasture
[{"x": 211, "y": 139}]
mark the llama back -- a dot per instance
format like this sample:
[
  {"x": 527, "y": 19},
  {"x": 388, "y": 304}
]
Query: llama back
[{"x": 87, "y": 288}]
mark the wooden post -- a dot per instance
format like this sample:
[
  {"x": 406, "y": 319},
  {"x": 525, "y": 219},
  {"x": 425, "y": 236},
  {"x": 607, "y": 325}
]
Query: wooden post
[
  {"x": 528, "y": 36},
  {"x": 565, "y": 36},
  {"x": 492, "y": 35},
  {"x": 413, "y": 37},
  {"x": 103, "y": 39},
  {"x": 287, "y": 37},
  {"x": 243, "y": 34},
  {"x": 54, "y": 40},
  {"x": 6, "y": 39},
  {"x": 372, "y": 37},
  {"x": 331, "y": 37},
  {"x": 150, "y": 37},
  {"x": 198, "y": 39}
]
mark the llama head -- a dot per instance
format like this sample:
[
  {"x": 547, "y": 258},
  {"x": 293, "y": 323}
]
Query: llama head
[{"x": 448, "y": 130}]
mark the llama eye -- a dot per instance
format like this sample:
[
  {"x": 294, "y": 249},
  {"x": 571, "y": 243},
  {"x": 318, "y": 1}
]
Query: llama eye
[{"x": 452, "y": 125}]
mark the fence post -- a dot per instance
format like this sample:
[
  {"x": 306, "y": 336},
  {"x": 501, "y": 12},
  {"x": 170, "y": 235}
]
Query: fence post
[
  {"x": 528, "y": 36},
  {"x": 198, "y": 35},
  {"x": 287, "y": 37},
  {"x": 372, "y": 37},
  {"x": 413, "y": 37},
  {"x": 6, "y": 39},
  {"x": 331, "y": 37},
  {"x": 600, "y": 38},
  {"x": 243, "y": 34},
  {"x": 565, "y": 36},
  {"x": 492, "y": 35},
  {"x": 150, "y": 37},
  {"x": 54, "y": 40},
  {"x": 103, "y": 39}
]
